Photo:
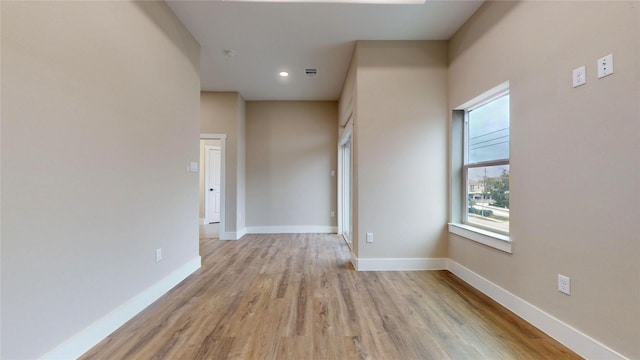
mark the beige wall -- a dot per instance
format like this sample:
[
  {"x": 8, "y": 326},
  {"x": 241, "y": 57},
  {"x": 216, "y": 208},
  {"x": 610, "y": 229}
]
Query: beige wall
[
  {"x": 574, "y": 173},
  {"x": 222, "y": 113},
  {"x": 348, "y": 109},
  {"x": 291, "y": 150},
  {"x": 106, "y": 185},
  {"x": 400, "y": 139},
  {"x": 347, "y": 100},
  {"x": 241, "y": 171},
  {"x": 201, "y": 184}
]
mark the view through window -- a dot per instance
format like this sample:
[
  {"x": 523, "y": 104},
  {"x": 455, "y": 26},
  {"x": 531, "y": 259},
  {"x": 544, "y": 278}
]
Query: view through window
[{"x": 486, "y": 166}]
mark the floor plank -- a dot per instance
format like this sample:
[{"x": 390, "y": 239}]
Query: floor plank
[{"x": 296, "y": 296}]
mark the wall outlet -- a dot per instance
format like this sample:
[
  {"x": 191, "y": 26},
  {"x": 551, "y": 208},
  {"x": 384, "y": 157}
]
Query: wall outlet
[
  {"x": 605, "y": 66},
  {"x": 579, "y": 76},
  {"x": 564, "y": 284},
  {"x": 369, "y": 237},
  {"x": 158, "y": 254}
]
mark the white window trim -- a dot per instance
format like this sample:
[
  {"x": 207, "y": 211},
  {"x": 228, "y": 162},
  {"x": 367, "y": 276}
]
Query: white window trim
[
  {"x": 485, "y": 237},
  {"x": 489, "y": 238},
  {"x": 487, "y": 96}
]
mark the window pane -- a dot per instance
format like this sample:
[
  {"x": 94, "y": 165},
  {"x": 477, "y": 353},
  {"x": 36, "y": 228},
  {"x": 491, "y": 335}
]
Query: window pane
[
  {"x": 489, "y": 131},
  {"x": 488, "y": 197}
]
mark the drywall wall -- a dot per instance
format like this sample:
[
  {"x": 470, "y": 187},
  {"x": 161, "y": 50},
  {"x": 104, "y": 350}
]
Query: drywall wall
[
  {"x": 348, "y": 111},
  {"x": 201, "y": 184},
  {"x": 574, "y": 178},
  {"x": 106, "y": 185},
  {"x": 221, "y": 113},
  {"x": 241, "y": 176},
  {"x": 346, "y": 102},
  {"x": 400, "y": 140},
  {"x": 291, "y": 150}
]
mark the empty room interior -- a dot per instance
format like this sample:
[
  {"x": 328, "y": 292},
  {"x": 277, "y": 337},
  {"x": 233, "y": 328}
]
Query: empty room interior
[{"x": 319, "y": 179}]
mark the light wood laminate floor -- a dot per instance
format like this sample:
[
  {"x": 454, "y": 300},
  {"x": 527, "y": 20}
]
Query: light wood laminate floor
[{"x": 296, "y": 296}]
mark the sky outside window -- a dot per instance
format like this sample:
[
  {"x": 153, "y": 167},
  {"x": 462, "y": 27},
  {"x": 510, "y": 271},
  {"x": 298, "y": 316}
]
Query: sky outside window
[{"x": 489, "y": 132}]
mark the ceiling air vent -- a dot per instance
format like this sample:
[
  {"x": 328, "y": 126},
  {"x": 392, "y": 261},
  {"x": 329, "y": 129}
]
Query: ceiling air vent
[{"x": 311, "y": 72}]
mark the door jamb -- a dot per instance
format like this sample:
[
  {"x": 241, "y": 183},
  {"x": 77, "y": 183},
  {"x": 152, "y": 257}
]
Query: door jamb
[{"x": 346, "y": 135}]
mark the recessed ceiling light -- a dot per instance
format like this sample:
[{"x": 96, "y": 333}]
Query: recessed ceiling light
[{"x": 284, "y": 74}]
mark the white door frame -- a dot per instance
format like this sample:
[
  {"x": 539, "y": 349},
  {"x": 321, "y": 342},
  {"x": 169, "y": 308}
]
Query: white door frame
[
  {"x": 223, "y": 146},
  {"x": 346, "y": 135}
]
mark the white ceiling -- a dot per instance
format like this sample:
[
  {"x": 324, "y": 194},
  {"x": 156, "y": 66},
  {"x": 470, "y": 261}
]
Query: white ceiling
[{"x": 270, "y": 37}]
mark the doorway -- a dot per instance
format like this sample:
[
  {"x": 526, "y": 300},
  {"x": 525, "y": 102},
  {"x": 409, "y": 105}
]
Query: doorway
[
  {"x": 211, "y": 185},
  {"x": 345, "y": 184},
  {"x": 211, "y": 182}
]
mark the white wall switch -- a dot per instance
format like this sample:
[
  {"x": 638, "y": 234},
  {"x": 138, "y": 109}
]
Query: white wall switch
[
  {"x": 605, "y": 66},
  {"x": 369, "y": 237},
  {"x": 193, "y": 166},
  {"x": 579, "y": 76},
  {"x": 333, "y": 173},
  {"x": 333, "y": 213},
  {"x": 158, "y": 254},
  {"x": 564, "y": 284}
]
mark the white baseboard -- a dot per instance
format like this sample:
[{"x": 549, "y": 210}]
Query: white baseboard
[
  {"x": 572, "y": 338},
  {"x": 291, "y": 229},
  {"x": 399, "y": 264},
  {"x": 236, "y": 235},
  {"x": 354, "y": 260},
  {"x": 83, "y": 341},
  {"x": 233, "y": 235},
  {"x": 228, "y": 235}
]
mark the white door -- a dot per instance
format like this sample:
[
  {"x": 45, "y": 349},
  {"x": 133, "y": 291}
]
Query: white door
[{"x": 212, "y": 184}]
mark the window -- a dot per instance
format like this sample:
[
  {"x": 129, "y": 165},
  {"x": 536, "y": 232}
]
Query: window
[
  {"x": 480, "y": 167},
  {"x": 486, "y": 165}
]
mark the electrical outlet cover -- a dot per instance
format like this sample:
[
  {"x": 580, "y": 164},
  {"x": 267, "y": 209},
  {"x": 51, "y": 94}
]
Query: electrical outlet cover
[
  {"x": 564, "y": 284},
  {"x": 579, "y": 76}
]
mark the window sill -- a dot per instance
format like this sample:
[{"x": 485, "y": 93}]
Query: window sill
[{"x": 488, "y": 238}]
